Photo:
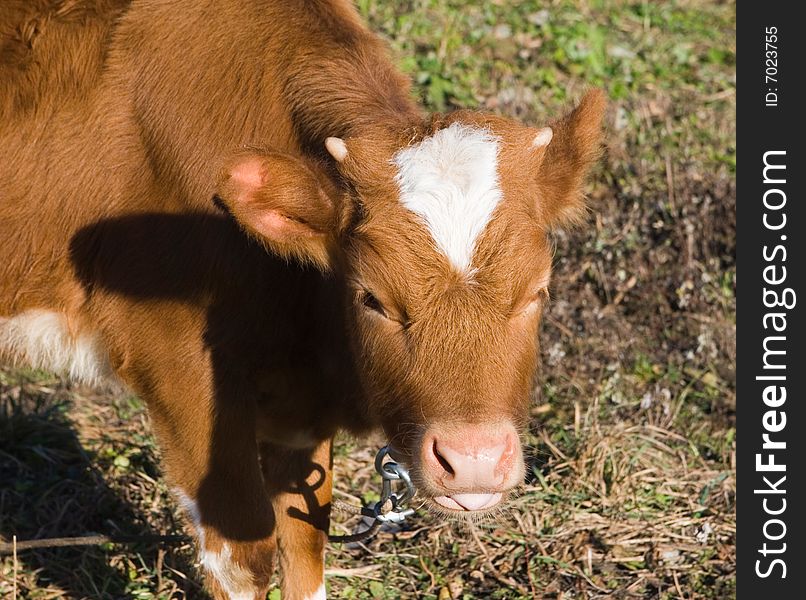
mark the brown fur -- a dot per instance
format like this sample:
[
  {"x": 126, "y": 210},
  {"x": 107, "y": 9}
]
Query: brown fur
[{"x": 115, "y": 119}]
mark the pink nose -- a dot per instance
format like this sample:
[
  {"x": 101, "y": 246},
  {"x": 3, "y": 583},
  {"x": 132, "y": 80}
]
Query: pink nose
[{"x": 473, "y": 464}]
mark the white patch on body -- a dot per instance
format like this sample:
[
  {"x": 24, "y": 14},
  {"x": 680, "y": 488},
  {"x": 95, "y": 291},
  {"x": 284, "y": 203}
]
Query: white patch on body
[
  {"x": 43, "y": 340},
  {"x": 451, "y": 180},
  {"x": 319, "y": 594},
  {"x": 236, "y": 581}
]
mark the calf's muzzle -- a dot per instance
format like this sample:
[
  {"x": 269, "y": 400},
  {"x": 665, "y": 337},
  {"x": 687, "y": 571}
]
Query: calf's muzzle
[{"x": 470, "y": 466}]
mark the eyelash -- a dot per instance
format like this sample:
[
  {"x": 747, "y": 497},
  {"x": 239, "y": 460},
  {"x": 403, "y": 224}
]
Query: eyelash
[
  {"x": 541, "y": 297},
  {"x": 372, "y": 303}
]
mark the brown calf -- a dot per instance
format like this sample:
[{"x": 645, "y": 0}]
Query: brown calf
[{"x": 406, "y": 270}]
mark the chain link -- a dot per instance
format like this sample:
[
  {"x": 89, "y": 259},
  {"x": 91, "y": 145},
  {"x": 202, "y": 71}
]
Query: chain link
[{"x": 391, "y": 508}]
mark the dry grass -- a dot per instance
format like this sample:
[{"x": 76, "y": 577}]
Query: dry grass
[{"x": 632, "y": 472}]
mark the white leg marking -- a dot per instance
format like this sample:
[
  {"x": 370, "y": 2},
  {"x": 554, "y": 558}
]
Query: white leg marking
[
  {"x": 192, "y": 510},
  {"x": 43, "y": 340},
  {"x": 319, "y": 594},
  {"x": 451, "y": 181},
  {"x": 236, "y": 581}
]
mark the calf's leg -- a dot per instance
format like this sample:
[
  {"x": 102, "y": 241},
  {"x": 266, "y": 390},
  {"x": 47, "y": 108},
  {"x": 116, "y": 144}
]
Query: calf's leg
[
  {"x": 299, "y": 483},
  {"x": 211, "y": 459}
]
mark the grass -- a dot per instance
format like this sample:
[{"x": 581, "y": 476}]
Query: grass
[{"x": 631, "y": 490}]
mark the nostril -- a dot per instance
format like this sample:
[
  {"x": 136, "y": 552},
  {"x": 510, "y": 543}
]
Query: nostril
[
  {"x": 442, "y": 460},
  {"x": 471, "y": 459}
]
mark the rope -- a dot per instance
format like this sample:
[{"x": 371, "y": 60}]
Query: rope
[
  {"x": 356, "y": 537},
  {"x": 359, "y": 536}
]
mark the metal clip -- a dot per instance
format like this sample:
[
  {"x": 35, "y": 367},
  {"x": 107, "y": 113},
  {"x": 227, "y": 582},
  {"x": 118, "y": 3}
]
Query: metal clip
[{"x": 389, "y": 472}]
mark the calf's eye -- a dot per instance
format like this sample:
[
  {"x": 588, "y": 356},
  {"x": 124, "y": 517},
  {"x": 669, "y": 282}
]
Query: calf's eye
[
  {"x": 540, "y": 297},
  {"x": 530, "y": 303},
  {"x": 372, "y": 303},
  {"x": 391, "y": 313}
]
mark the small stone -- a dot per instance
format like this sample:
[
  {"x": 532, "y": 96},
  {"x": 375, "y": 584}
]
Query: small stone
[
  {"x": 704, "y": 533},
  {"x": 539, "y": 18},
  {"x": 502, "y": 31},
  {"x": 456, "y": 587}
]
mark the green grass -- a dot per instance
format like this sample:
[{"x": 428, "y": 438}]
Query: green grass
[{"x": 632, "y": 481}]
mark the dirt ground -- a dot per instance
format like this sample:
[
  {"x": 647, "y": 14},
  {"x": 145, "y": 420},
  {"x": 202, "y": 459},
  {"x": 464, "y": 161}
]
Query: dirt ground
[{"x": 631, "y": 490}]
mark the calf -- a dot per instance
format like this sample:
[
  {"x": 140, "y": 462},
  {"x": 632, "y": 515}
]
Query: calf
[{"x": 373, "y": 266}]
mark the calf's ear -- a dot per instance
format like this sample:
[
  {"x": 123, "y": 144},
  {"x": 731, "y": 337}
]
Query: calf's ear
[
  {"x": 565, "y": 153},
  {"x": 283, "y": 202}
]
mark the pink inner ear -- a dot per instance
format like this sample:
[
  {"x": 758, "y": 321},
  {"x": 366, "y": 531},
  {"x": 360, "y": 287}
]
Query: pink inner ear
[
  {"x": 276, "y": 226},
  {"x": 248, "y": 175}
]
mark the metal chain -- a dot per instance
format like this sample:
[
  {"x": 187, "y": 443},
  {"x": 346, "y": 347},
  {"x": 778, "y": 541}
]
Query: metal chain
[{"x": 391, "y": 508}]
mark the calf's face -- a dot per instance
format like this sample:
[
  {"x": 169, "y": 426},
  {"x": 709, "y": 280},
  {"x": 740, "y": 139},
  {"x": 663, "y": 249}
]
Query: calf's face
[{"x": 441, "y": 241}]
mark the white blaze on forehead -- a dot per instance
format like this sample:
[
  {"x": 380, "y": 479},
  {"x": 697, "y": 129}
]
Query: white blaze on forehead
[{"x": 451, "y": 180}]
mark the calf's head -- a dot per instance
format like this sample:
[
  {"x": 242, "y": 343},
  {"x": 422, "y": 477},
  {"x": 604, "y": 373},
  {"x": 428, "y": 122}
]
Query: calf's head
[{"x": 439, "y": 233}]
